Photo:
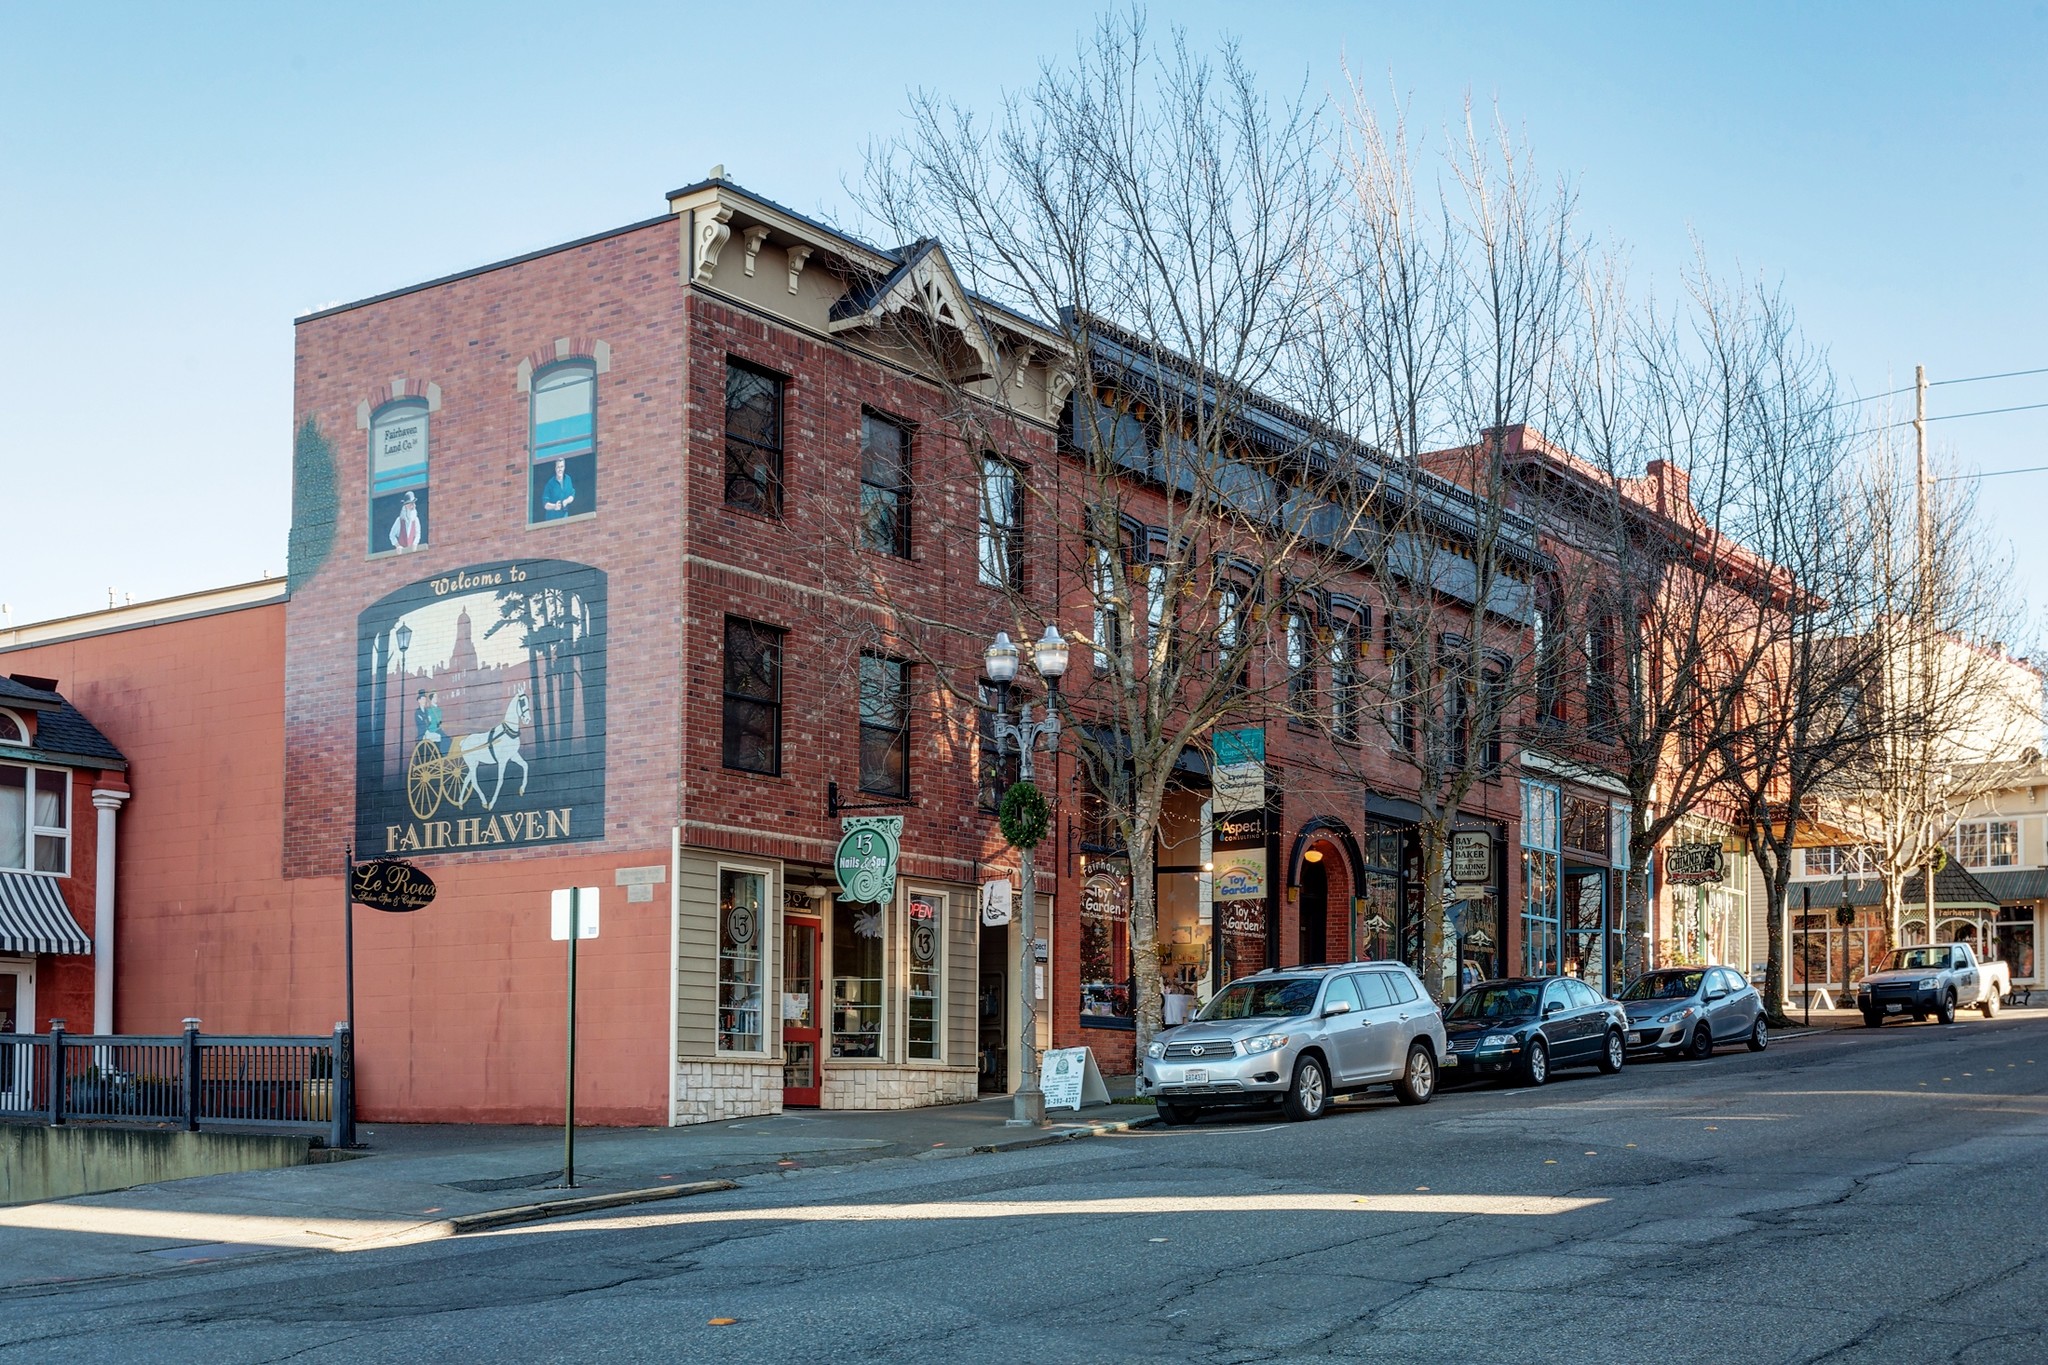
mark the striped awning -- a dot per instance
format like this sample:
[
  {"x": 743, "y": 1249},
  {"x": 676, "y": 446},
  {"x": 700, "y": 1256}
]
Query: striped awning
[{"x": 33, "y": 918}]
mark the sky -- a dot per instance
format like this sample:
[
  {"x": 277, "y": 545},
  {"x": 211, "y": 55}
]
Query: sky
[{"x": 177, "y": 183}]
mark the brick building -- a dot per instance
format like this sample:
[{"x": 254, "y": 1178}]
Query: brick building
[{"x": 594, "y": 558}]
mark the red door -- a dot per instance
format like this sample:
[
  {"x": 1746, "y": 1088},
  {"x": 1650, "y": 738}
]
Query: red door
[{"x": 800, "y": 1014}]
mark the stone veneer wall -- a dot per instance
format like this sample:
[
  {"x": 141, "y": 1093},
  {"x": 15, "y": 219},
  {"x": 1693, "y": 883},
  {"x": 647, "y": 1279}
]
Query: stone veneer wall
[
  {"x": 707, "y": 1092},
  {"x": 895, "y": 1087}
]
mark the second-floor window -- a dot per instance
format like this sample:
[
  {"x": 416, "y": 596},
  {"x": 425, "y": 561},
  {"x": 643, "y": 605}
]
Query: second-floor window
[
  {"x": 884, "y": 486},
  {"x": 1301, "y": 668},
  {"x": 35, "y": 819},
  {"x": 398, "y": 477},
  {"x": 884, "y": 725},
  {"x": 1601, "y": 717},
  {"x": 997, "y": 765},
  {"x": 1109, "y": 626},
  {"x": 563, "y": 478},
  {"x": 1985, "y": 843},
  {"x": 1346, "y": 688},
  {"x": 1838, "y": 860},
  {"x": 753, "y": 696},
  {"x": 1000, "y": 524},
  {"x": 753, "y": 439},
  {"x": 1401, "y": 704}
]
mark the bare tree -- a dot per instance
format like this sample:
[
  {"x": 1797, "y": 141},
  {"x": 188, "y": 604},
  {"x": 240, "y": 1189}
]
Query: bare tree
[{"x": 1165, "y": 224}]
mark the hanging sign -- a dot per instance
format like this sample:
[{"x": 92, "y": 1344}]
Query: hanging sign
[
  {"x": 1691, "y": 864},
  {"x": 995, "y": 902},
  {"x": 866, "y": 861},
  {"x": 1240, "y": 875},
  {"x": 1471, "y": 856},
  {"x": 390, "y": 884},
  {"x": 1238, "y": 781}
]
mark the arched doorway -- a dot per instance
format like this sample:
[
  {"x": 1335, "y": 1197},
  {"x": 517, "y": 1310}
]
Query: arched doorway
[
  {"x": 1321, "y": 877},
  {"x": 1314, "y": 903}
]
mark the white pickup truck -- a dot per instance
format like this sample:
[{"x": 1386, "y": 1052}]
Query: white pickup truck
[{"x": 1934, "y": 979}]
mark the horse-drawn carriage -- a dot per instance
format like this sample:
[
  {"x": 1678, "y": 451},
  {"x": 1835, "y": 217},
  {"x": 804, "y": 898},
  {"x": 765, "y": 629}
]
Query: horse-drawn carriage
[{"x": 432, "y": 776}]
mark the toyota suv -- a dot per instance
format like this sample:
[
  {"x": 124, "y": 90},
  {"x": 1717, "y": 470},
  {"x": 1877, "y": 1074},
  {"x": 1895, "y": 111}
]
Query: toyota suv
[{"x": 1296, "y": 1036}]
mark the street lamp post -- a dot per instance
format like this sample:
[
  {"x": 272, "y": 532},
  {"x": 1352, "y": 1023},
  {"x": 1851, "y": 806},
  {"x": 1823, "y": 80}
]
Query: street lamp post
[
  {"x": 1845, "y": 915},
  {"x": 404, "y": 637},
  {"x": 1049, "y": 657}
]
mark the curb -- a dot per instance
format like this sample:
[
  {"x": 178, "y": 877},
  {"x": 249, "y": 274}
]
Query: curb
[
  {"x": 464, "y": 1223},
  {"x": 1084, "y": 1131}
]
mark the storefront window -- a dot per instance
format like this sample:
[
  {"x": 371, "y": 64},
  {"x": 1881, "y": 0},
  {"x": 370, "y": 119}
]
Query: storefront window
[
  {"x": 1106, "y": 947},
  {"x": 740, "y": 898},
  {"x": 857, "y": 944},
  {"x": 1541, "y": 891},
  {"x": 2016, "y": 940},
  {"x": 927, "y": 976}
]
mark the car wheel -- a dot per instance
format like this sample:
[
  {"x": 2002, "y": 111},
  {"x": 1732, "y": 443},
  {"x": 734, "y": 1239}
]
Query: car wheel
[
  {"x": 1172, "y": 1114},
  {"x": 1760, "y": 1034},
  {"x": 1947, "y": 1013},
  {"x": 1701, "y": 1044},
  {"x": 1309, "y": 1095},
  {"x": 1990, "y": 1005},
  {"x": 1418, "y": 1083},
  {"x": 1871, "y": 1018},
  {"x": 1617, "y": 1052},
  {"x": 1536, "y": 1063}
]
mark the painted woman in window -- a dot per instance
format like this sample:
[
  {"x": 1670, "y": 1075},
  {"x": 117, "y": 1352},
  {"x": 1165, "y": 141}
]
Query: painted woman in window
[
  {"x": 398, "y": 477},
  {"x": 564, "y": 465}
]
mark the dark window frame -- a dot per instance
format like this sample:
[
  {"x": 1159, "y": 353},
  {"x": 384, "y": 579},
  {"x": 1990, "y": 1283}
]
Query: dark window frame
[
  {"x": 761, "y": 456},
  {"x": 900, "y": 745},
  {"x": 997, "y": 767},
  {"x": 773, "y": 636},
  {"x": 897, "y": 497},
  {"x": 1006, "y": 538}
]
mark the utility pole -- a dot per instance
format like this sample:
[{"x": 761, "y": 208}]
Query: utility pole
[{"x": 1926, "y": 512}]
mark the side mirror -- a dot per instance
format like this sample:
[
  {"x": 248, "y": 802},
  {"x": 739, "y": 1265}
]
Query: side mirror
[
  {"x": 1336, "y": 1007},
  {"x": 1554, "y": 1007},
  {"x": 1717, "y": 995}
]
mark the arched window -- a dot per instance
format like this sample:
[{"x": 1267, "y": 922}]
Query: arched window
[
  {"x": 12, "y": 731},
  {"x": 398, "y": 476},
  {"x": 563, "y": 478}
]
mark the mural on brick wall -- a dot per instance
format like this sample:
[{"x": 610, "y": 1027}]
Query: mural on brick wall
[{"x": 480, "y": 711}]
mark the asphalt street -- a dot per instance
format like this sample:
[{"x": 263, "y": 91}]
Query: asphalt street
[{"x": 1848, "y": 1196}]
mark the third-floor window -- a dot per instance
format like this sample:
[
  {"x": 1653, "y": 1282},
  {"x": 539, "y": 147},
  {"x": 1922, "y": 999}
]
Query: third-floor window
[
  {"x": 1001, "y": 524},
  {"x": 884, "y": 486},
  {"x": 753, "y": 439}
]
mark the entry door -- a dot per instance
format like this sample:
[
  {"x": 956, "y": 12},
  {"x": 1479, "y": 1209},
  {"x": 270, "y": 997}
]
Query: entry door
[
  {"x": 17, "y": 1015},
  {"x": 800, "y": 1014}
]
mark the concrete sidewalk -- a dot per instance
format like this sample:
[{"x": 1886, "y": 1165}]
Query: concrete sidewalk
[{"x": 417, "y": 1182}]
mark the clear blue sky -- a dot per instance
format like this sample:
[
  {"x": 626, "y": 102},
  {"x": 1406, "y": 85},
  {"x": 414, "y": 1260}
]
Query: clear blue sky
[{"x": 177, "y": 182}]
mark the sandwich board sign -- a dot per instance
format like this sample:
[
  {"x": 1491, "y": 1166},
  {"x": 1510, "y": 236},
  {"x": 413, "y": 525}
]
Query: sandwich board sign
[{"x": 1069, "y": 1079}]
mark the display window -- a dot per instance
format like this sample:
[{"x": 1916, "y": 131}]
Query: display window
[
  {"x": 925, "y": 1008},
  {"x": 742, "y": 959},
  {"x": 859, "y": 954}
]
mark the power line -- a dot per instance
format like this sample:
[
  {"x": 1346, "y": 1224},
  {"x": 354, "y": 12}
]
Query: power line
[
  {"x": 1937, "y": 383},
  {"x": 1980, "y": 378},
  {"x": 1991, "y": 474},
  {"x": 1981, "y": 412}
]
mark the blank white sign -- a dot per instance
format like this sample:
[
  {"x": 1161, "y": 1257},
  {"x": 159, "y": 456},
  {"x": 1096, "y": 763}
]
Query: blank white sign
[{"x": 586, "y": 915}]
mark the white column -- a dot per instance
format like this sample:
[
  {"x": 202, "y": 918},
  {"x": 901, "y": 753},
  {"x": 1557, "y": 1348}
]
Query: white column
[{"x": 108, "y": 803}]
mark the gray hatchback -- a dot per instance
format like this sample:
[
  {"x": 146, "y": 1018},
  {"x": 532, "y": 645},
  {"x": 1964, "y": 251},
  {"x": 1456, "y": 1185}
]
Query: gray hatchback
[
  {"x": 1296, "y": 1036},
  {"x": 1685, "y": 1011}
]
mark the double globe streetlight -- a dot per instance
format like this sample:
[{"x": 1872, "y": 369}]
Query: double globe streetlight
[{"x": 1049, "y": 657}]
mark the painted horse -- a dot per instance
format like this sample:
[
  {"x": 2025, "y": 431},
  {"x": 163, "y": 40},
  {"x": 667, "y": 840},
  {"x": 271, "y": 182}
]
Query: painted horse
[{"x": 496, "y": 747}]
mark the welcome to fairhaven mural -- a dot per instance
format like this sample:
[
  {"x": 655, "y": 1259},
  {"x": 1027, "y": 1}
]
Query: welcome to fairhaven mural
[{"x": 480, "y": 711}]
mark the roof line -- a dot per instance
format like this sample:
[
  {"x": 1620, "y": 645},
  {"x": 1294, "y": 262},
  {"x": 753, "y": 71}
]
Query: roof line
[{"x": 483, "y": 269}]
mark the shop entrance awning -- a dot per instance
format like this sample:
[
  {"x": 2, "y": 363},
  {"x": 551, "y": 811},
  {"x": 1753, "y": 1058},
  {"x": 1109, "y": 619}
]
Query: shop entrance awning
[{"x": 33, "y": 917}]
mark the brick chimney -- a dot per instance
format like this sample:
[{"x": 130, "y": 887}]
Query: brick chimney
[{"x": 1674, "y": 486}]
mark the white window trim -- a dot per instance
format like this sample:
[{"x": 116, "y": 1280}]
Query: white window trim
[
  {"x": 28, "y": 849},
  {"x": 427, "y": 412},
  {"x": 939, "y": 966},
  {"x": 21, "y": 723},
  {"x": 769, "y": 929}
]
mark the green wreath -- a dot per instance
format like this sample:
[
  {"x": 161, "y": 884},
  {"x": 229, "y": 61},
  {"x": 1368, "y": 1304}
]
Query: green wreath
[{"x": 1022, "y": 817}]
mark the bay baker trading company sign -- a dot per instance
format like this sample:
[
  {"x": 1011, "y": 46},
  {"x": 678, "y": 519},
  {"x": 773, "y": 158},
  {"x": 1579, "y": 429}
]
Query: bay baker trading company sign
[{"x": 480, "y": 703}]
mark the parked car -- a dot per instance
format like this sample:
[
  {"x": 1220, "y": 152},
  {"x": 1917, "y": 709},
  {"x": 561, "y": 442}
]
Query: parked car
[
  {"x": 1524, "y": 1027},
  {"x": 1297, "y": 1036},
  {"x": 1685, "y": 1011},
  {"x": 1934, "y": 979}
]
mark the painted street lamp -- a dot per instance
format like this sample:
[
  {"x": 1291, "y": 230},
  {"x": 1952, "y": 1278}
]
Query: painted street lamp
[
  {"x": 403, "y": 635},
  {"x": 1049, "y": 657}
]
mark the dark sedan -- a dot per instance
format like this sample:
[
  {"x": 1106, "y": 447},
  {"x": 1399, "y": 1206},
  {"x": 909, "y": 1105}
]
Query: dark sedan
[
  {"x": 1684, "y": 1011},
  {"x": 1524, "y": 1027}
]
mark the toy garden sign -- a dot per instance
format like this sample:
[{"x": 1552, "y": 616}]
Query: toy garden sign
[{"x": 390, "y": 884}]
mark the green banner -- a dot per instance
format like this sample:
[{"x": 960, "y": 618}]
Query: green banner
[{"x": 866, "y": 861}]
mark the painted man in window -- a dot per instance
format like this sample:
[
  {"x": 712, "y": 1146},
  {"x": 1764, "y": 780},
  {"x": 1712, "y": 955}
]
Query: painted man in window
[
  {"x": 560, "y": 494},
  {"x": 406, "y": 531}
]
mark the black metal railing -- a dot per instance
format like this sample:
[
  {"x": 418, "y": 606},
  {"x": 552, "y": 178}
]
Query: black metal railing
[{"x": 190, "y": 1079}]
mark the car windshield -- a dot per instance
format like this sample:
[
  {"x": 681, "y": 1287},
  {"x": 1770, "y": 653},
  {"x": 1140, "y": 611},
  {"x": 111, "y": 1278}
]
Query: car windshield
[
  {"x": 1282, "y": 998},
  {"x": 1664, "y": 986},
  {"x": 1918, "y": 959},
  {"x": 1495, "y": 1002}
]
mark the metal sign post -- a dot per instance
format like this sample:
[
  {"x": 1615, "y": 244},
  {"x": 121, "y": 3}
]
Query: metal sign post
[{"x": 573, "y": 917}]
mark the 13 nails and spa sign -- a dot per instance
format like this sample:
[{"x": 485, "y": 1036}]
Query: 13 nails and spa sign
[{"x": 480, "y": 710}]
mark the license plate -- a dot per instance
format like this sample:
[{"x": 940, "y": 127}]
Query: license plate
[
  {"x": 1197, "y": 1076},
  {"x": 1893, "y": 1009}
]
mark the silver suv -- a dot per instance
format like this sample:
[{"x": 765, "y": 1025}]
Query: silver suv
[{"x": 1299, "y": 1035}]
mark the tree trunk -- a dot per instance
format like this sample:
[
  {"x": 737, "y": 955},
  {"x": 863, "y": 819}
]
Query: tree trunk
[
  {"x": 1148, "y": 1008},
  {"x": 1433, "y": 837}
]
